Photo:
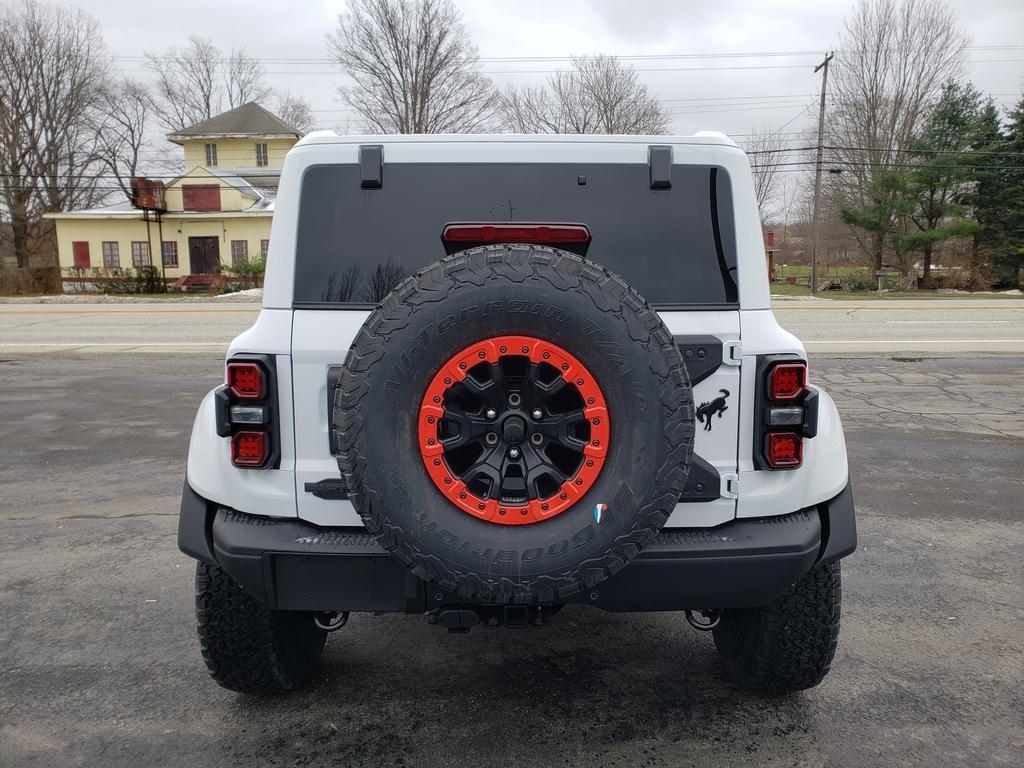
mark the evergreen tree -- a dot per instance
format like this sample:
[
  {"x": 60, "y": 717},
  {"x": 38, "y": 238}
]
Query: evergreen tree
[
  {"x": 938, "y": 173},
  {"x": 1008, "y": 239},
  {"x": 986, "y": 197}
]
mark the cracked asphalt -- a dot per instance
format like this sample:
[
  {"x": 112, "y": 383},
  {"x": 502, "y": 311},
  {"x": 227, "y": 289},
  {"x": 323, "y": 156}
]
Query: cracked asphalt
[{"x": 100, "y": 665}]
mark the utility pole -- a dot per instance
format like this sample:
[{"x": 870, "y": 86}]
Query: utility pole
[{"x": 816, "y": 225}]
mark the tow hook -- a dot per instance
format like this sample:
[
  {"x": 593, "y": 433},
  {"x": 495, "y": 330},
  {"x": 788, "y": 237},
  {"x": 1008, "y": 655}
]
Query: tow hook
[
  {"x": 708, "y": 619},
  {"x": 331, "y": 621}
]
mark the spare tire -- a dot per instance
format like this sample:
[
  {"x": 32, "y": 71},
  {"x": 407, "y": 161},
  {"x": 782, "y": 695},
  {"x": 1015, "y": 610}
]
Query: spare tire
[{"x": 514, "y": 423}]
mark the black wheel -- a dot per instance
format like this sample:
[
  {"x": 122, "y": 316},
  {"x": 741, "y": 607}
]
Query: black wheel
[
  {"x": 788, "y": 645},
  {"x": 515, "y": 423},
  {"x": 246, "y": 646}
]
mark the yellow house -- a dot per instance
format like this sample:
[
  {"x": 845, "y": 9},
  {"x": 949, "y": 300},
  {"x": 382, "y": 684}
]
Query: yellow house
[{"x": 218, "y": 213}]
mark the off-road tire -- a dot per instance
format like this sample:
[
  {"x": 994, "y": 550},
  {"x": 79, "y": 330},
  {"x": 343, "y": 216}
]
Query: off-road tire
[
  {"x": 530, "y": 291},
  {"x": 248, "y": 647},
  {"x": 787, "y": 645}
]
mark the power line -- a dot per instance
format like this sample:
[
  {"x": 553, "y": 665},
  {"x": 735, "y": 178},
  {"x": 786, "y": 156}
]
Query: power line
[
  {"x": 504, "y": 73},
  {"x": 585, "y": 57}
]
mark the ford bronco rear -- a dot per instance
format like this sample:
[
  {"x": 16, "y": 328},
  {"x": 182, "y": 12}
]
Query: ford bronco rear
[{"x": 496, "y": 375}]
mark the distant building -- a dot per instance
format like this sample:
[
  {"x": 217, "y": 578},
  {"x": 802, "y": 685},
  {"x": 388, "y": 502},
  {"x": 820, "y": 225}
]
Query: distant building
[{"x": 218, "y": 212}]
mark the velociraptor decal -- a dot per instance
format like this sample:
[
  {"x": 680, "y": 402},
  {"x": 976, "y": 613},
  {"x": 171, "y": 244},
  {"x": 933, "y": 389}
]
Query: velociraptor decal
[{"x": 707, "y": 410}]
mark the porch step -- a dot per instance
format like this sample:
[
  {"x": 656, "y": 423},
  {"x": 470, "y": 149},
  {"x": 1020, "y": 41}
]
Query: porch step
[{"x": 196, "y": 283}]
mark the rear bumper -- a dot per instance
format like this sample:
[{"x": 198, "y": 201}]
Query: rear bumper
[{"x": 293, "y": 565}]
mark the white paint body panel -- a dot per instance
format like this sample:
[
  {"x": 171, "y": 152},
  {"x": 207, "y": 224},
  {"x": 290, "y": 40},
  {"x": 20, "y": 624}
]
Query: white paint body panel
[
  {"x": 307, "y": 342},
  {"x": 321, "y": 338}
]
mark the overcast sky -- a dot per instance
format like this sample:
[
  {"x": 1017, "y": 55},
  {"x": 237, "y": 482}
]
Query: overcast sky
[{"x": 732, "y": 94}]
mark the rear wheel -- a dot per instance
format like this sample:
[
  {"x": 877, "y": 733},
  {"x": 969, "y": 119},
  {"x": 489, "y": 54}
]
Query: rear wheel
[
  {"x": 788, "y": 645},
  {"x": 247, "y": 646}
]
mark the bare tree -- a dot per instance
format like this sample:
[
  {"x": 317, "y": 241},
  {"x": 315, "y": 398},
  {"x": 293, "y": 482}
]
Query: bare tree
[
  {"x": 194, "y": 83},
  {"x": 598, "y": 94},
  {"x": 382, "y": 281},
  {"x": 893, "y": 59},
  {"x": 243, "y": 80},
  {"x": 767, "y": 152},
  {"x": 412, "y": 67},
  {"x": 121, "y": 128},
  {"x": 295, "y": 111},
  {"x": 53, "y": 69}
]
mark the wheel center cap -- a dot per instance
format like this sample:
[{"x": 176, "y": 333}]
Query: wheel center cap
[{"x": 513, "y": 430}]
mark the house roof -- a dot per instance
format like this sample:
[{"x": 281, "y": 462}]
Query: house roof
[{"x": 248, "y": 120}]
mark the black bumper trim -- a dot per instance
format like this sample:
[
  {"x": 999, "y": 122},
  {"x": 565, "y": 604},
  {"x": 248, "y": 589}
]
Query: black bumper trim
[
  {"x": 839, "y": 527},
  {"x": 195, "y": 520},
  {"x": 293, "y": 565}
]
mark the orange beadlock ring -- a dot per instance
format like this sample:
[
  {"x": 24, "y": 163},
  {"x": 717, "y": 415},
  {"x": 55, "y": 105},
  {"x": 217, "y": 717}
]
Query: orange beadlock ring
[{"x": 432, "y": 411}]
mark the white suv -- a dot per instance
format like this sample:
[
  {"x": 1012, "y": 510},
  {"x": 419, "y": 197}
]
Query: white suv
[{"x": 494, "y": 375}]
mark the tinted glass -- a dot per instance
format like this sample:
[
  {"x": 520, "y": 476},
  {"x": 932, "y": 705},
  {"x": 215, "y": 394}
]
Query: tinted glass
[{"x": 675, "y": 246}]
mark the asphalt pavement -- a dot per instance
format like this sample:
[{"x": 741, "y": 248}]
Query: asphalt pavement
[{"x": 100, "y": 664}]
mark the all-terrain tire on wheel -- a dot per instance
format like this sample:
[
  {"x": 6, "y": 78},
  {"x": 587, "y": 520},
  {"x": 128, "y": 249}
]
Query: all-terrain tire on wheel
[
  {"x": 788, "y": 645},
  {"x": 514, "y": 424},
  {"x": 247, "y": 646}
]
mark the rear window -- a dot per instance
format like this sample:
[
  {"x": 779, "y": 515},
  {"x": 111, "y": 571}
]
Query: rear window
[{"x": 676, "y": 246}]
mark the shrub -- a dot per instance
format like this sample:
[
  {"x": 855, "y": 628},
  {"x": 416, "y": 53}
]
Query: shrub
[
  {"x": 249, "y": 272},
  {"x": 859, "y": 284},
  {"x": 29, "y": 280}
]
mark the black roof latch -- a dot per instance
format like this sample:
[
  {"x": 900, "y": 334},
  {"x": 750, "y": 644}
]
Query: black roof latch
[
  {"x": 371, "y": 166},
  {"x": 659, "y": 160}
]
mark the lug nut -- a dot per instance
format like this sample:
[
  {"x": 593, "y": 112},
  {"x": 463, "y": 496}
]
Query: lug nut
[
  {"x": 491, "y": 438},
  {"x": 491, "y": 414},
  {"x": 513, "y": 453},
  {"x": 537, "y": 413}
]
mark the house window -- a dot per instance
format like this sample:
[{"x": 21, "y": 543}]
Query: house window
[
  {"x": 211, "y": 154},
  {"x": 170, "y": 253},
  {"x": 261, "y": 155},
  {"x": 201, "y": 197},
  {"x": 239, "y": 251},
  {"x": 264, "y": 249},
  {"x": 80, "y": 252},
  {"x": 140, "y": 254},
  {"x": 111, "y": 256}
]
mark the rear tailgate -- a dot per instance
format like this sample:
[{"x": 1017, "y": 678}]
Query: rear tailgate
[{"x": 674, "y": 241}]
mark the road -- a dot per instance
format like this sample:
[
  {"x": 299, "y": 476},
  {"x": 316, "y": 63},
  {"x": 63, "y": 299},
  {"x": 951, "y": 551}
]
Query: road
[
  {"x": 101, "y": 666},
  {"x": 939, "y": 326}
]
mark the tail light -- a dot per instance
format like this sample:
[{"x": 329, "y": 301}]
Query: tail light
[
  {"x": 246, "y": 411},
  {"x": 785, "y": 450},
  {"x": 249, "y": 448},
  {"x": 788, "y": 412},
  {"x": 570, "y": 237},
  {"x": 787, "y": 381},
  {"x": 246, "y": 381}
]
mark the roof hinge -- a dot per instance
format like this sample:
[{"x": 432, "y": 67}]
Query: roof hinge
[
  {"x": 732, "y": 352},
  {"x": 371, "y": 166},
  {"x": 659, "y": 161},
  {"x": 730, "y": 485}
]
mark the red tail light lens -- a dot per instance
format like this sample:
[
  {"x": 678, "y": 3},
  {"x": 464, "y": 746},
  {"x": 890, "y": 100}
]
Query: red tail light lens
[
  {"x": 516, "y": 233},
  {"x": 785, "y": 450},
  {"x": 787, "y": 381},
  {"x": 246, "y": 381},
  {"x": 249, "y": 448}
]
